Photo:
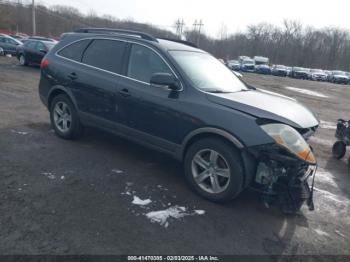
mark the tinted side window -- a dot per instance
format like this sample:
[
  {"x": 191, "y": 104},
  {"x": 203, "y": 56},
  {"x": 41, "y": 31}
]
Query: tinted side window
[
  {"x": 143, "y": 63},
  {"x": 75, "y": 51},
  {"x": 105, "y": 54},
  {"x": 31, "y": 44},
  {"x": 40, "y": 46},
  {"x": 10, "y": 41}
]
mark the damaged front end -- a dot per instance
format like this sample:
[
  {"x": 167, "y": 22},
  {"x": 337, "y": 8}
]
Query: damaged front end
[{"x": 285, "y": 170}]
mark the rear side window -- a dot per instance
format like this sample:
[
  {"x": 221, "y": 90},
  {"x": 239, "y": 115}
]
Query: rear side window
[
  {"x": 143, "y": 63},
  {"x": 31, "y": 44},
  {"x": 40, "y": 46},
  {"x": 75, "y": 51},
  {"x": 105, "y": 54}
]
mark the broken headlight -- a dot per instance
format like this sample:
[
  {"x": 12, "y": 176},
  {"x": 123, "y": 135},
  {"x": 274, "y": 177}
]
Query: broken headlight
[{"x": 290, "y": 139}]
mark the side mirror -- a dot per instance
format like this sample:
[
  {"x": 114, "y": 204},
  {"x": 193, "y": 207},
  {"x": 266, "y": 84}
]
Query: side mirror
[
  {"x": 165, "y": 80},
  {"x": 43, "y": 51}
]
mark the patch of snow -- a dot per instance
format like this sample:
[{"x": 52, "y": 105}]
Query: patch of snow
[
  {"x": 175, "y": 212},
  {"x": 321, "y": 233},
  {"x": 200, "y": 212},
  {"x": 331, "y": 196},
  {"x": 117, "y": 171},
  {"x": 306, "y": 91},
  {"x": 325, "y": 177},
  {"x": 62, "y": 177},
  {"x": 161, "y": 187},
  {"x": 19, "y": 132},
  {"x": 49, "y": 175},
  {"x": 328, "y": 125},
  {"x": 340, "y": 234},
  {"x": 138, "y": 201},
  {"x": 321, "y": 141}
]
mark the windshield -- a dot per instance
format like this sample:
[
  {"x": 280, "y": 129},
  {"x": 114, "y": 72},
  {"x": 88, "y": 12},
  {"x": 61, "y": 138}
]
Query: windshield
[
  {"x": 248, "y": 62},
  {"x": 281, "y": 67},
  {"x": 207, "y": 73},
  {"x": 316, "y": 71}
]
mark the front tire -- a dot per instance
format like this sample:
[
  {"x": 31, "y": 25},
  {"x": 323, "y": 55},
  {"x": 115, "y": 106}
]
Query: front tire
[
  {"x": 64, "y": 118},
  {"x": 214, "y": 170}
]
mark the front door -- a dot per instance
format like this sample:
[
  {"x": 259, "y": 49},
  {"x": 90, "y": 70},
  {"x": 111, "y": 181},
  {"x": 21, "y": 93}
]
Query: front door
[{"x": 153, "y": 111}]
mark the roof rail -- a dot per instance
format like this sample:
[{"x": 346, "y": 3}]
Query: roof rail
[
  {"x": 117, "y": 31},
  {"x": 180, "y": 41}
]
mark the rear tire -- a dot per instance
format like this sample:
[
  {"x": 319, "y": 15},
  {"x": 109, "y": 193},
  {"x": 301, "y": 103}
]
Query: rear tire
[
  {"x": 214, "y": 170},
  {"x": 64, "y": 118},
  {"x": 339, "y": 150}
]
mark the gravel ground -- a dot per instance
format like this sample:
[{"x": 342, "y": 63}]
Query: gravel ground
[{"x": 63, "y": 197}]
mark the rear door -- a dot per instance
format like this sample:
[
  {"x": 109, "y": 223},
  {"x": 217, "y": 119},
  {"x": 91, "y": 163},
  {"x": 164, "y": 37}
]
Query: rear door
[
  {"x": 39, "y": 52},
  {"x": 94, "y": 79},
  {"x": 29, "y": 50}
]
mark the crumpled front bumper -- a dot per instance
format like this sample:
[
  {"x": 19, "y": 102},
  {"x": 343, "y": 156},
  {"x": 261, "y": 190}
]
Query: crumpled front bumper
[{"x": 286, "y": 181}]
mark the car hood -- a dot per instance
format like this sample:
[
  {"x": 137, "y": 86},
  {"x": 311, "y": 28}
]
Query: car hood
[{"x": 267, "y": 105}]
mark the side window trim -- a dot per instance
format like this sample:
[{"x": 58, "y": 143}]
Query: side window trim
[{"x": 128, "y": 48}]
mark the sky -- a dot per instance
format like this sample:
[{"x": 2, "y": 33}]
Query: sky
[{"x": 235, "y": 15}]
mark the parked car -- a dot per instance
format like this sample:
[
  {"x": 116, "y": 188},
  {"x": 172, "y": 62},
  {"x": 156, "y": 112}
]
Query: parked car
[
  {"x": 41, "y": 38},
  {"x": 234, "y": 65},
  {"x": 300, "y": 73},
  {"x": 279, "y": 70},
  {"x": 260, "y": 60},
  {"x": 329, "y": 74},
  {"x": 248, "y": 65},
  {"x": 9, "y": 44},
  {"x": 289, "y": 71},
  {"x": 18, "y": 37},
  {"x": 157, "y": 92},
  {"x": 339, "y": 77},
  {"x": 318, "y": 75},
  {"x": 33, "y": 51},
  {"x": 263, "y": 69}
]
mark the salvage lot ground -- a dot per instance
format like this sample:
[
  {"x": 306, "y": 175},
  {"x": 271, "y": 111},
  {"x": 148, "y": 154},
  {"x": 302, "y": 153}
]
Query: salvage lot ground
[{"x": 62, "y": 197}]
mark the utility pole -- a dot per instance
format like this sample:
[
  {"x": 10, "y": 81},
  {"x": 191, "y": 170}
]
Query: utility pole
[
  {"x": 200, "y": 25},
  {"x": 179, "y": 27},
  {"x": 33, "y": 17}
]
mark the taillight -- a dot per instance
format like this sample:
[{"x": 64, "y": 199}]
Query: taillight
[{"x": 44, "y": 64}]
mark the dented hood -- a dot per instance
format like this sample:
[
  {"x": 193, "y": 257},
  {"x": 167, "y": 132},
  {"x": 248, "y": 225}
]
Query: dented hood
[{"x": 267, "y": 105}]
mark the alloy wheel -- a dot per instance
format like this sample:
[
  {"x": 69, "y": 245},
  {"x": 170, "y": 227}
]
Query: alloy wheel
[
  {"x": 211, "y": 171},
  {"x": 62, "y": 117}
]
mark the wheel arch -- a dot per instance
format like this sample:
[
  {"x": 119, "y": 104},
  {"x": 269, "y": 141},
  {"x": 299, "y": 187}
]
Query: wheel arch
[
  {"x": 248, "y": 161},
  {"x": 58, "y": 90},
  {"x": 209, "y": 132}
]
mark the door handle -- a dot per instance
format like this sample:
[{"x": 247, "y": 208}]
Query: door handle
[
  {"x": 72, "y": 76},
  {"x": 124, "y": 92}
]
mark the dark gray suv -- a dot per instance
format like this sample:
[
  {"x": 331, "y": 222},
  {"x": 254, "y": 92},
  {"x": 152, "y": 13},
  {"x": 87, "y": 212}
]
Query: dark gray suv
[{"x": 178, "y": 99}]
